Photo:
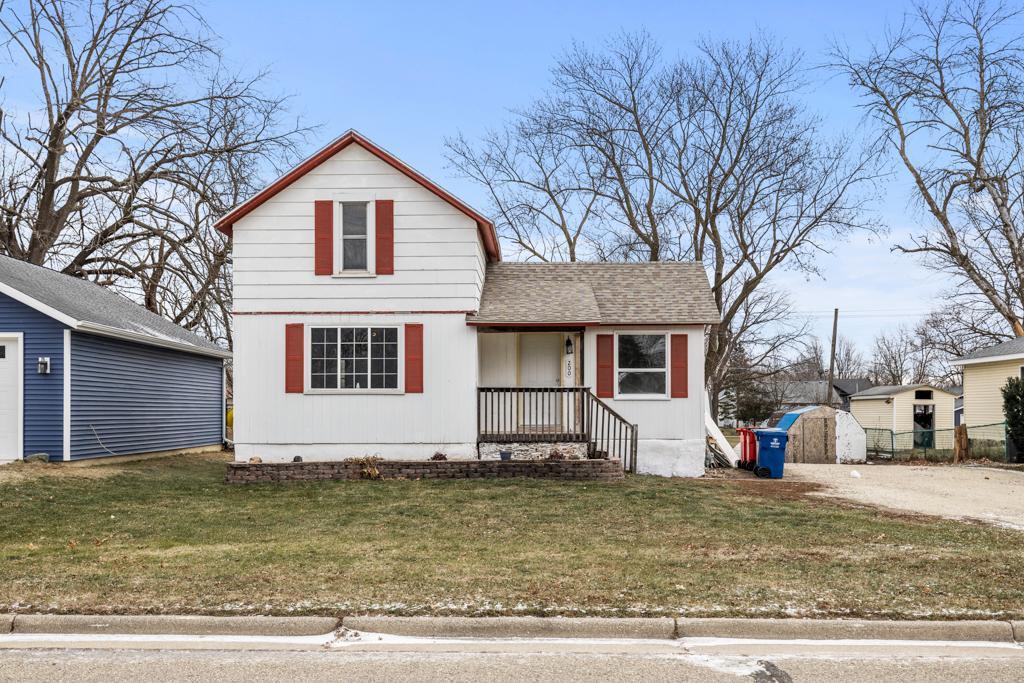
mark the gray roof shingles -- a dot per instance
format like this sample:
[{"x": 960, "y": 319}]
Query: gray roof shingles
[
  {"x": 87, "y": 301},
  {"x": 1011, "y": 347},
  {"x": 650, "y": 293},
  {"x": 892, "y": 389}
]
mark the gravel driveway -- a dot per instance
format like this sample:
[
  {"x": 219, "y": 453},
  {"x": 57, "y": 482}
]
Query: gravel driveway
[{"x": 977, "y": 493}]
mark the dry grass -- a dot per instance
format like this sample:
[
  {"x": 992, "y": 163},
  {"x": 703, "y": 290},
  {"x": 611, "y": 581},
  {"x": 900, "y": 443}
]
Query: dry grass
[{"x": 168, "y": 536}]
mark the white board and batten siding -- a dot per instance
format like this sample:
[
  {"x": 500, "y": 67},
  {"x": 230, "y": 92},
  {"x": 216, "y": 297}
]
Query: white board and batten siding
[
  {"x": 439, "y": 258},
  {"x": 439, "y": 265}
]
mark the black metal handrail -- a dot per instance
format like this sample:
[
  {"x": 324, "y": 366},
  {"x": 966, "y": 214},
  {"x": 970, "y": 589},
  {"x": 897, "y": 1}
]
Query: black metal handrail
[{"x": 558, "y": 415}]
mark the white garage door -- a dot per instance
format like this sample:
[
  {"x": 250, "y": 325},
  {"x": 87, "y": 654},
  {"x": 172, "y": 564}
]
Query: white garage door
[{"x": 10, "y": 396}]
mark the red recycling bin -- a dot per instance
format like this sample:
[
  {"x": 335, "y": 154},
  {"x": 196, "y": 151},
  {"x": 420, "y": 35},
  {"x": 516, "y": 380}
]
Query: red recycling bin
[{"x": 748, "y": 448}]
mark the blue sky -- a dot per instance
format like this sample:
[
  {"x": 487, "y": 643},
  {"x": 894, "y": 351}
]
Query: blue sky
[{"x": 407, "y": 74}]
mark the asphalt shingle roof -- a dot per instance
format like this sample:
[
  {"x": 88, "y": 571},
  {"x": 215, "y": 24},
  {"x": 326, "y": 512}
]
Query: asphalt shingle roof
[
  {"x": 1007, "y": 348},
  {"x": 891, "y": 390},
  {"x": 89, "y": 302},
  {"x": 659, "y": 293}
]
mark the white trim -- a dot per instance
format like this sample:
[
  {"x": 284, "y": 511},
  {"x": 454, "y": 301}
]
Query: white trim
[
  {"x": 224, "y": 403},
  {"x": 988, "y": 359},
  {"x": 307, "y": 360},
  {"x": 19, "y": 337},
  {"x": 23, "y": 298},
  {"x": 118, "y": 333},
  {"x": 666, "y": 396},
  {"x": 67, "y": 394},
  {"x": 368, "y": 197}
]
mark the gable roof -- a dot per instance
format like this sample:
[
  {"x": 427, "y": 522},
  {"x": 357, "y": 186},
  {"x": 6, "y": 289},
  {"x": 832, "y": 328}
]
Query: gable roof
[
  {"x": 1008, "y": 350},
  {"x": 490, "y": 238},
  {"x": 658, "y": 293},
  {"x": 851, "y": 385},
  {"x": 88, "y": 307},
  {"x": 887, "y": 390}
]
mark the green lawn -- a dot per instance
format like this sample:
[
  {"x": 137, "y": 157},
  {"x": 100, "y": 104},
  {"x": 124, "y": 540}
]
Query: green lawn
[{"x": 167, "y": 536}]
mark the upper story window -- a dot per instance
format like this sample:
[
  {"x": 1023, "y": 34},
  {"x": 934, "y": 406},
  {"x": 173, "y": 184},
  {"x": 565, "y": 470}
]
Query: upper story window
[
  {"x": 354, "y": 243},
  {"x": 353, "y": 358},
  {"x": 642, "y": 365},
  {"x": 923, "y": 394}
]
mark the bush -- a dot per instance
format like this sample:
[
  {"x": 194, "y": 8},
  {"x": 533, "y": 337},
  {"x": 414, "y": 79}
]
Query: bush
[
  {"x": 438, "y": 457},
  {"x": 1013, "y": 409}
]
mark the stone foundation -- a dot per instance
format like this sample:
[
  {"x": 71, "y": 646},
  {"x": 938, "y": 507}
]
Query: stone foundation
[
  {"x": 575, "y": 470},
  {"x": 537, "y": 450}
]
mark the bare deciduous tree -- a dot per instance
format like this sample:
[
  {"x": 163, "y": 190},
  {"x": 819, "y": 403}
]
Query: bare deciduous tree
[
  {"x": 945, "y": 94},
  {"x": 710, "y": 159},
  {"x": 902, "y": 356},
  {"x": 139, "y": 138}
]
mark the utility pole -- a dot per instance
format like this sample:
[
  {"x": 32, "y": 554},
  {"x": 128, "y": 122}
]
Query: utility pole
[{"x": 832, "y": 358}]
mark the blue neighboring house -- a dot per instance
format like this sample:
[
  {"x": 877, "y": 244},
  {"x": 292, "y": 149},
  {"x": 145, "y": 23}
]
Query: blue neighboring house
[{"x": 86, "y": 373}]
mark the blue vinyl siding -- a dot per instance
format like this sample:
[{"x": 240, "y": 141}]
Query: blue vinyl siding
[
  {"x": 44, "y": 394},
  {"x": 141, "y": 398}
]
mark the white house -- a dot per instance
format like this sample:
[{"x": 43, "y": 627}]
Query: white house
[{"x": 373, "y": 316}]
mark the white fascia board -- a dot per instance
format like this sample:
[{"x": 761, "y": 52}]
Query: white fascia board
[
  {"x": 988, "y": 359},
  {"x": 118, "y": 333},
  {"x": 20, "y": 297}
]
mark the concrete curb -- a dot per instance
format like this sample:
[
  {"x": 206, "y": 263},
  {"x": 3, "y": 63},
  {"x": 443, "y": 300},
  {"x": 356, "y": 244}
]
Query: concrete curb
[
  {"x": 515, "y": 627},
  {"x": 664, "y": 628},
  {"x": 842, "y": 629},
  {"x": 172, "y": 625}
]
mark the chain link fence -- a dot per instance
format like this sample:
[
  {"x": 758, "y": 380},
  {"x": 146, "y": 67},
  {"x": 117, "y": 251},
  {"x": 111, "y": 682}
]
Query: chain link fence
[{"x": 986, "y": 442}]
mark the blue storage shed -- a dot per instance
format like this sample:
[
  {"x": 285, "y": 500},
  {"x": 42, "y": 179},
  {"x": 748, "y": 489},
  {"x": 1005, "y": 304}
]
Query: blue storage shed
[{"x": 86, "y": 373}]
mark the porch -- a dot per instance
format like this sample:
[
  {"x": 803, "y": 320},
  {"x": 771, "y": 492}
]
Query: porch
[{"x": 532, "y": 391}]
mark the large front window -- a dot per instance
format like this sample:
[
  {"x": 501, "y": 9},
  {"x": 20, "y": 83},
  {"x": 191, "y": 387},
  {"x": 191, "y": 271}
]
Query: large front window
[
  {"x": 641, "y": 364},
  {"x": 353, "y": 358}
]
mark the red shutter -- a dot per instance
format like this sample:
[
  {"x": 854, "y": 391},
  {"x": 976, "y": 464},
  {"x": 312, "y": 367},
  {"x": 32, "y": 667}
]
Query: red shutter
[
  {"x": 323, "y": 237},
  {"x": 294, "y": 341},
  {"x": 680, "y": 366},
  {"x": 414, "y": 358},
  {"x": 385, "y": 241},
  {"x": 605, "y": 365}
]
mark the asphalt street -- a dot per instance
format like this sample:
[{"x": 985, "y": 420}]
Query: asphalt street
[{"x": 393, "y": 659}]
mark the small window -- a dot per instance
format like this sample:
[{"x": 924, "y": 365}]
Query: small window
[
  {"x": 353, "y": 358},
  {"x": 1022, "y": 372},
  {"x": 641, "y": 364},
  {"x": 923, "y": 394},
  {"x": 354, "y": 235},
  {"x": 3, "y": 352}
]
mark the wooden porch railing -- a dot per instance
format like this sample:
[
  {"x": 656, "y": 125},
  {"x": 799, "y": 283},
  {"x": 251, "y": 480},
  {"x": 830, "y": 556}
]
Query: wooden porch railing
[{"x": 555, "y": 414}]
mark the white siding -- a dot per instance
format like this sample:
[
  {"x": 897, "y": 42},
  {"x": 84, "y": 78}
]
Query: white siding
[
  {"x": 671, "y": 432},
  {"x": 659, "y": 418},
  {"x": 439, "y": 257},
  {"x": 276, "y": 426},
  {"x": 983, "y": 396}
]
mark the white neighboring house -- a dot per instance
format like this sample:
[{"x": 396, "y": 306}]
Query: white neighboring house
[{"x": 373, "y": 316}]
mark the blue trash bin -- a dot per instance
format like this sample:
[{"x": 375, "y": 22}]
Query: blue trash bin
[{"x": 771, "y": 452}]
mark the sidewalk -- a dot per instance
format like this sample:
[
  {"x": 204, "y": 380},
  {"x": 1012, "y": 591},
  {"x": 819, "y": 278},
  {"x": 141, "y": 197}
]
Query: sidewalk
[{"x": 519, "y": 627}]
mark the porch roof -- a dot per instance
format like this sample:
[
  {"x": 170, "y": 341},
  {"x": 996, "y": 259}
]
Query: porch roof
[{"x": 661, "y": 293}]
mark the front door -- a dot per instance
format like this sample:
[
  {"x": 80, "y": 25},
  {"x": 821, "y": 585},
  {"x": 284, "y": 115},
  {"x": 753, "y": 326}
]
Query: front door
[
  {"x": 540, "y": 366},
  {"x": 10, "y": 397}
]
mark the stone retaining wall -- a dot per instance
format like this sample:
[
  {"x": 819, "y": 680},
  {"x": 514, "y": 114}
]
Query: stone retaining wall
[
  {"x": 533, "y": 450},
  {"x": 578, "y": 470}
]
